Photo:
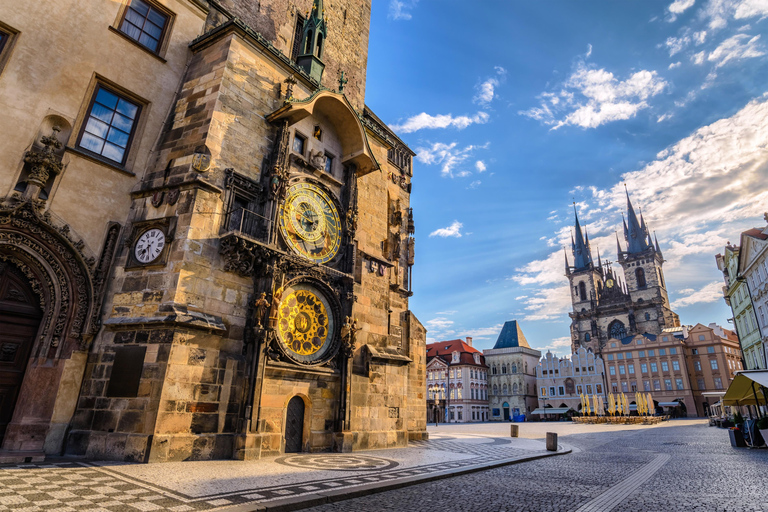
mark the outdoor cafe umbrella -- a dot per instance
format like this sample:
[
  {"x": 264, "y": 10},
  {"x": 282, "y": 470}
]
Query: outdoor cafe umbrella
[{"x": 748, "y": 387}]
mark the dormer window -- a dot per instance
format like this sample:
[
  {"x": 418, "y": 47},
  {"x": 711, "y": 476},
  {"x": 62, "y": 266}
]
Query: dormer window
[
  {"x": 455, "y": 357},
  {"x": 477, "y": 358}
]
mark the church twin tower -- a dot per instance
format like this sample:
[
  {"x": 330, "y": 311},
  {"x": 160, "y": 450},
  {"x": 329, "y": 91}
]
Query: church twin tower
[{"x": 605, "y": 306}]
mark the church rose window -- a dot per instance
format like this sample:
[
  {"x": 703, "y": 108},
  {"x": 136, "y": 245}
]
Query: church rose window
[{"x": 617, "y": 330}]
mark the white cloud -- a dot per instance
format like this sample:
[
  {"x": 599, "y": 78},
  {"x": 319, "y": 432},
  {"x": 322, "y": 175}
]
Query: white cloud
[
  {"x": 675, "y": 65},
  {"x": 738, "y": 47},
  {"x": 475, "y": 184},
  {"x": 589, "y": 51},
  {"x": 699, "y": 37},
  {"x": 709, "y": 293},
  {"x": 454, "y": 230},
  {"x": 698, "y": 58},
  {"x": 677, "y": 44},
  {"x": 696, "y": 194},
  {"x": 663, "y": 118},
  {"x": 486, "y": 91},
  {"x": 718, "y": 13},
  {"x": 679, "y": 6},
  {"x": 480, "y": 166},
  {"x": 592, "y": 97},
  {"x": 426, "y": 121},
  {"x": 448, "y": 156},
  {"x": 483, "y": 333},
  {"x": 399, "y": 9}
]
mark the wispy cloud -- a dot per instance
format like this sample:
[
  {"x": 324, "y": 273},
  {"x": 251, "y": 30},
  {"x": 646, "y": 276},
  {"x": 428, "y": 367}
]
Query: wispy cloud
[
  {"x": 738, "y": 47},
  {"x": 400, "y": 9},
  {"x": 448, "y": 156},
  {"x": 426, "y": 121},
  {"x": 709, "y": 293},
  {"x": 592, "y": 97},
  {"x": 678, "y": 7},
  {"x": 486, "y": 91},
  {"x": 562, "y": 343},
  {"x": 454, "y": 230},
  {"x": 480, "y": 166}
]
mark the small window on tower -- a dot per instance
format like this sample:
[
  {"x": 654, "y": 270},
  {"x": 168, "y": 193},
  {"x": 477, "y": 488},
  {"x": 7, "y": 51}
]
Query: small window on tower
[
  {"x": 298, "y": 143},
  {"x": 582, "y": 291},
  {"x": 317, "y": 133},
  {"x": 640, "y": 274}
]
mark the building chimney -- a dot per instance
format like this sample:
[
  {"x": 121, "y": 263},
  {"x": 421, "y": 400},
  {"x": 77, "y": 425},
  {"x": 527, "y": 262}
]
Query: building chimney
[{"x": 469, "y": 340}]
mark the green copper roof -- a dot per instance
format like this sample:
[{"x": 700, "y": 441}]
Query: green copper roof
[{"x": 511, "y": 336}]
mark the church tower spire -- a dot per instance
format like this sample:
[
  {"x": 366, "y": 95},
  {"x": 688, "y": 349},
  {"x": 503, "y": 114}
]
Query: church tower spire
[
  {"x": 313, "y": 42},
  {"x": 581, "y": 254},
  {"x": 634, "y": 232}
]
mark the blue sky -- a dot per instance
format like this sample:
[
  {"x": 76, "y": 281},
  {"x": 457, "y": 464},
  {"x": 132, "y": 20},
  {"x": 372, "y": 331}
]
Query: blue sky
[{"x": 518, "y": 109}]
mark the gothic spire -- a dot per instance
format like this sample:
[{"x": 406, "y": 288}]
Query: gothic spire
[
  {"x": 618, "y": 245},
  {"x": 567, "y": 267},
  {"x": 313, "y": 42},
  {"x": 656, "y": 240},
  {"x": 634, "y": 232},
  {"x": 581, "y": 255}
]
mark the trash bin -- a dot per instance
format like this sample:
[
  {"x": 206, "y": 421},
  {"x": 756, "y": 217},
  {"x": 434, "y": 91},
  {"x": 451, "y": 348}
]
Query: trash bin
[{"x": 737, "y": 438}]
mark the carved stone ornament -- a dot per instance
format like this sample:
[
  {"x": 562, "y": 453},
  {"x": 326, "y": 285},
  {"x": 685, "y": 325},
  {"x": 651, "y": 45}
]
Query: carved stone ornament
[
  {"x": 59, "y": 271},
  {"x": 157, "y": 198},
  {"x": 44, "y": 163},
  {"x": 201, "y": 162},
  {"x": 172, "y": 196}
]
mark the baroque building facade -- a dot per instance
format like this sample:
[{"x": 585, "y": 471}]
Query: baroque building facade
[
  {"x": 737, "y": 296},
  {"x": 605, "y": 306},
  {"x": 512, "y": 369},
  {"x": 457, "y": 382},
  {"x": 753, "y": 269},
  {"x": 238, "y": 283}
]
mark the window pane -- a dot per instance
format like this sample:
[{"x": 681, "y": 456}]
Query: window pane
[
  {"x": 122, "y": 123},
  {"x": 130, "y": 30},
  {"x": 140, "y": 6},
  {"x": 127, "y": 109},
  {"x": 102, "y": 112},
  {"x": 148, "y": 41},
  {"x": 91, "y": 143},
  {"x": 157, "y": 17},
  {"x": 106, "y": 98},
  {"x": 135, "y": 18},
  {"x": 96, "y": 127},
  {"x": 113, "y": 152},
  {"x": 153, "y": 30},
  {"x": 118, "y": 137}
]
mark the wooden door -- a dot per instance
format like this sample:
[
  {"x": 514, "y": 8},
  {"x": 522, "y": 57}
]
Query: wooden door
[
  {"x": 294, "y": 425},
  {"x": 19, "y": 322}
]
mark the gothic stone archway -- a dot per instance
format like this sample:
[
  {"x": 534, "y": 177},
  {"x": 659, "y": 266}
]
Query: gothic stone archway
[{"x": 61, "y": 277}]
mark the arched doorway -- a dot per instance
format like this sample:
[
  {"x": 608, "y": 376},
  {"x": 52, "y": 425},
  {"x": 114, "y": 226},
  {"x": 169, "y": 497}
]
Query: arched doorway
[
  {"x": 294, "y": 425},
  {"x": 505, "y": 408},
  {"x": 20, "y": 316}
]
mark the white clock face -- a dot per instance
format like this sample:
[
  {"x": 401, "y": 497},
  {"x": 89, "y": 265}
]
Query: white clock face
[{"x": 149, "y": 246}]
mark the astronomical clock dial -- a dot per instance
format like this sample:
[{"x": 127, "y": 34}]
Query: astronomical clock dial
[
  {"x": 310, "y": 223},
  {"x": 149, "y": 246},
  {"x": 305, "y": 323}
]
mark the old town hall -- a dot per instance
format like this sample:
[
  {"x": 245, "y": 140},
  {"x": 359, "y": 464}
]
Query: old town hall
[
  {"x": 206, "y": 238},
  {"x": 604, "y": 305}
]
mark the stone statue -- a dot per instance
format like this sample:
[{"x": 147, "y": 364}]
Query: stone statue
[
  {"x": 317, "y": 159},
  {"x": 261, "y": 306},
  {"x": 349, "y": 336}
]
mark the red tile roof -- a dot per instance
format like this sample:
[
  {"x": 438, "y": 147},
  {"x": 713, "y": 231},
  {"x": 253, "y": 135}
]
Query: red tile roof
[
  {"x": 756, "y": 233},
  {"x": 445, "y": 349}
]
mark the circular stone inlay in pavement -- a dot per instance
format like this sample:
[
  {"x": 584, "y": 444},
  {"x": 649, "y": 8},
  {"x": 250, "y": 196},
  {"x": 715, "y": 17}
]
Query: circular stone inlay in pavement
[{"x": 337, "y": 462}]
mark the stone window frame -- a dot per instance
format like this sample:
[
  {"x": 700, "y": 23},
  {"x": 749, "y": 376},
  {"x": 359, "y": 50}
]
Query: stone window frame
[
  {"x": 163, "y": 42},
  {"x": 131, "y": 150},
  {"x": 304, "y": 143},
  {"x": 9, "y": 37}
]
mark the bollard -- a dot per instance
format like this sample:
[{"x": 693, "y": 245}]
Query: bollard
[
  {"x": 551, "y": 441},
  {"x": 513, "y": 430}
]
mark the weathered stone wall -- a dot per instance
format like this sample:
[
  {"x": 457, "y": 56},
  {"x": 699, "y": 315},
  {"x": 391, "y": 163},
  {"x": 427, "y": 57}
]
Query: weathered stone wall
[{"x": 346, "y": 47}]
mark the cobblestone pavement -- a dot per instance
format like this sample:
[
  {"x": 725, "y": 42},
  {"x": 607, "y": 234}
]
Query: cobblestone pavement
[
  {"x": 680, "y": 466},
  {"x": 70, "y": 486}
]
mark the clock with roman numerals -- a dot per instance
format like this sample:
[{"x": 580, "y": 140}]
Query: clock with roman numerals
[
  {"x": 309, "y": 222},
  {"x": 149, "y": 246}
]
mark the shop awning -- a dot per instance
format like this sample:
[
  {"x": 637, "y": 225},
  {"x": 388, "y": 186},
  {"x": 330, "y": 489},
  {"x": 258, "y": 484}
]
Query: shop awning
[
  {"x": 551, "y": 410},
  {"x": 669, "y": 404},
  {"x": 747, "y": 388},
  {"x": 717, "y": 394}
]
